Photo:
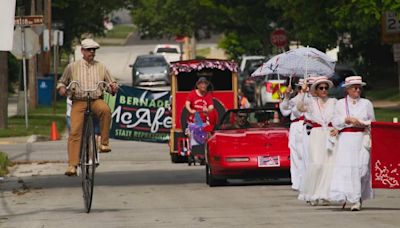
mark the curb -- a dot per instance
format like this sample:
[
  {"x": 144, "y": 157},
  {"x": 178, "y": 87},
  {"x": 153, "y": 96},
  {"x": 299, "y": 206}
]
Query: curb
[{"x": 24, "y": 139}]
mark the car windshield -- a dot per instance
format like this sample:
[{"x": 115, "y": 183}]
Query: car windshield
[
  {"x": 167, "y": 50},
  {"x": 151, "y": 61},
  {"x": 252, "y": 118}
]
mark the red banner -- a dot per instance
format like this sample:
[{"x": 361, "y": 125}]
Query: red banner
[{"x": 385, "y": 155}]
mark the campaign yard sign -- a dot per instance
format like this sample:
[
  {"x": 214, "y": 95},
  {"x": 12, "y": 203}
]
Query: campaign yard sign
[{"x": 141, "y": 115}]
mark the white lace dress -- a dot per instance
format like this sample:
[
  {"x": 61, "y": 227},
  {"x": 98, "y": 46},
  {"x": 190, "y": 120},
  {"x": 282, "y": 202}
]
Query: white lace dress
[
  {"x": 351, "y": 175},
  {"x": 288, "y": 107},
  {"x": 321, "y": 156}
]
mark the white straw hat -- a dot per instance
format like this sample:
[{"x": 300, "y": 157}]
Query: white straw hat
[
  {"x": 311, "y": 79},
  {"x": 319, "y": 80},
  {"x": 353, "y": 80},
  {"x": 300, "y": 82}
]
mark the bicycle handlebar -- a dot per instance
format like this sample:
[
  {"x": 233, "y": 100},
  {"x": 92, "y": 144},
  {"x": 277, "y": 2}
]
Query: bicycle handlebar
[{"x": 87, "y": 90}]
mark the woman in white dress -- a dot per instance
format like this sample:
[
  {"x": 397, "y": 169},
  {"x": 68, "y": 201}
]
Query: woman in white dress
[
  {"x": 351, "y": 180},
  {"x": 306, "y": 95},
  {"x": 319, "y": 112},
  {"x": 288, "y": 107}
]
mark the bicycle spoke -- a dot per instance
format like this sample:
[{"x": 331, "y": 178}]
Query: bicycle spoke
[{"x": 88, "y": 162}]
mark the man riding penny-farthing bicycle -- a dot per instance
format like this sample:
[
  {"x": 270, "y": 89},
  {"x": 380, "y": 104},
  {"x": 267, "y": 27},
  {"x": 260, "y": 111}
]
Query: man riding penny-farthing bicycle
[
  {"x": 88, "y": 72},
  {"x": 85, "y": 81}
]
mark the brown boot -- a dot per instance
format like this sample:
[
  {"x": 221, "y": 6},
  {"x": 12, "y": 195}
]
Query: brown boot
[
  {"x": 105, "y": 149},
  {"x": 71, "y": 171}
]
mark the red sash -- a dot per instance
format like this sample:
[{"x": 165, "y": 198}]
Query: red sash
[
  {"x": 313, "y": 124},
  {"x": 298, "y": 119},
  {"x": 352, "y": 129}
]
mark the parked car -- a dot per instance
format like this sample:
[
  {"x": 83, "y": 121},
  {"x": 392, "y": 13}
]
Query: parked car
[
  {"x": 248, "y": 64},
  {"x": 270, "y": 90},
  {"x": 248, "y": 143},
  {"x": 171, "y": 52},
  {"x": 150, "y": 70}
]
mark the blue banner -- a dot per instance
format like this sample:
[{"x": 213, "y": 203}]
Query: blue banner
[{"x": 141, "y": 115}]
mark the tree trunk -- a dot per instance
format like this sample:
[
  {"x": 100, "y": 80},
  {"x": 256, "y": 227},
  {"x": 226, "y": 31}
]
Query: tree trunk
[
  {"x": 32, "y": 71},
  {"x": 4, "y": 89}
]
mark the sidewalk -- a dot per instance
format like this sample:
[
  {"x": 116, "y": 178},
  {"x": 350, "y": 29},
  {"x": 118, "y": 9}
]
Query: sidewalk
[
  {"x": 386, "y": 104},
  {"x": 12, "y": 104}
]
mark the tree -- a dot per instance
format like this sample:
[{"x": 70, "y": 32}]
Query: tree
[
  {"x": 245, "y": 24},
  {"x": 80, "y": 17},
  {"x": 248, "y": 25},
  {"x": 168, "y": 18},
  {"x": 3, "y": 87},
  {"x": 324, "y": 24}
]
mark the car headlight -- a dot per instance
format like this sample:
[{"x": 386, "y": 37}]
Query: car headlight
[
  {"x": 165, "y": 71},
  {"x": 137, "y": 73}
]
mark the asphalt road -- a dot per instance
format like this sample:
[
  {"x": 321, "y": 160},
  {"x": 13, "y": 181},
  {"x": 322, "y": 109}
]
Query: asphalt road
[{"x": 137, "y": 186}]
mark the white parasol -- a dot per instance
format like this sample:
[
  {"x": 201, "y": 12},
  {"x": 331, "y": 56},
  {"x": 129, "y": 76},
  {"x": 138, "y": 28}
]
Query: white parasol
[{"x": 298, "y": 62}]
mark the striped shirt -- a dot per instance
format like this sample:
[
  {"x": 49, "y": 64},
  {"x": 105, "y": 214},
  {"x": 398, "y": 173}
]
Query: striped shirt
[{"x": 88, "y": 75}]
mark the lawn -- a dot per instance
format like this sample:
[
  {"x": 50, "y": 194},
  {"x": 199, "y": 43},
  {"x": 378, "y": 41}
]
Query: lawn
[
  {"x": 202, "y": 53},
  {"x": 120, "y": 31},
  {"x": 386, "y": 114},
  {"x": 39, "y": 122},
  {"x": 391, "y": 94}
]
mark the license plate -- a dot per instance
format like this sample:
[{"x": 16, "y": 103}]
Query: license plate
[{"x": 269, "y": 161}]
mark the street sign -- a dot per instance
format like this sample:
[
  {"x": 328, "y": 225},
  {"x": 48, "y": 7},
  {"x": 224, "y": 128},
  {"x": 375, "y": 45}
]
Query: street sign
[
  {"x": 179, "y": 39},
  {"x": 279, "y": 38},
  {"x": 390, "y": 28},
  {"x": 29, "y": 20},
  {"x": 7, "y": 12},
  {"x": 31, "y": 42}
]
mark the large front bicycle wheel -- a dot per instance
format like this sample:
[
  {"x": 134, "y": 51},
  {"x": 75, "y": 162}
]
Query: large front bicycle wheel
[{"x": 88, "y": 161}]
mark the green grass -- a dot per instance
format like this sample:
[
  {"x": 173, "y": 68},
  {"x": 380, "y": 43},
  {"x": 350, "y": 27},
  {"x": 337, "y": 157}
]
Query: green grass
[
  {"x": 39, "y": 122},
  {"x": 391, "y": 94},
  {"x": 120, "y": 31},
  {"x": 386, "y": 114},
  {"x": 4, "y": 163},
  {"x": 202, "y": 53}
]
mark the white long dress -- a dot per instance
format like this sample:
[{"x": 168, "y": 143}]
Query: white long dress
[
  {"x": 304, "y": 138},
  {"x": 351, "y": 180},
  {"x": 288, "y": 107},
  {"x": 321, "y": 158}
]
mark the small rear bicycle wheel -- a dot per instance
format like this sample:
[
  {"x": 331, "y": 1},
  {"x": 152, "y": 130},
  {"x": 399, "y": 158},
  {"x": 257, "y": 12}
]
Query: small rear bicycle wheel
[{"x": 88, "y": 161}]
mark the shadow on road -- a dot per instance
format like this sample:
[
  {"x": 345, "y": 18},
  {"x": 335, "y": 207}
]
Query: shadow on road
[{"x": 133, "y": 178}]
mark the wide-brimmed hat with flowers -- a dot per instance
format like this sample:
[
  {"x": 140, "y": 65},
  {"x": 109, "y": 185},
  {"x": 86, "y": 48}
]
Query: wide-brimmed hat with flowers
[
  {"x": 320, "y": 80},
  {"x": 353, "y": 80},
  {"x": 311, "y": 79},
  {"x": 300, "y": 82}
]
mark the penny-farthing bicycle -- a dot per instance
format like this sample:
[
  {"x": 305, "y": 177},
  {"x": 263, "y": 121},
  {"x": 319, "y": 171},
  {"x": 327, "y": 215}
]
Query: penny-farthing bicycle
[{"x": 89, "y": 156}]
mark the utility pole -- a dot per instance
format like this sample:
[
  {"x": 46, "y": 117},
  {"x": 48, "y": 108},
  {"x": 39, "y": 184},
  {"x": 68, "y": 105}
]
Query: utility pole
[
  {"x": 4, "y": 86},
  {"x": 47, "y": 21},
  {"x": 32, "y": 70}
]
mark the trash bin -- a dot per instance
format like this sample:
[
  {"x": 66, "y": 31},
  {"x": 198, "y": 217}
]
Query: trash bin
[{"x": 45, "y": 90}]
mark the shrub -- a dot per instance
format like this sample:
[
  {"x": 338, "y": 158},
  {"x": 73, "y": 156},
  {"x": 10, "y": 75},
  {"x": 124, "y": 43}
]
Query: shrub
[{"x": 4, "y": 163}]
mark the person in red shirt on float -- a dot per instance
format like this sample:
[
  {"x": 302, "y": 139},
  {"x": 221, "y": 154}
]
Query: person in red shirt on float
[{"x": 199, "y": 100}]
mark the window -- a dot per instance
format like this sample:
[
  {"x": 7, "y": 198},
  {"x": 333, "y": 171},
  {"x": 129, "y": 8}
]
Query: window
[{"x": 219, "y": 80}]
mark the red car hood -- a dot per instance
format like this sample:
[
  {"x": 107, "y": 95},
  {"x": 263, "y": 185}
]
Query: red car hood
[{"x": 250, "y": 141}]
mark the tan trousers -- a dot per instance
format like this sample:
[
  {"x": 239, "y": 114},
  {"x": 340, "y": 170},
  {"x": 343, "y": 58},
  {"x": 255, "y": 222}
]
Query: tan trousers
[{"x": 102, "y": 111}]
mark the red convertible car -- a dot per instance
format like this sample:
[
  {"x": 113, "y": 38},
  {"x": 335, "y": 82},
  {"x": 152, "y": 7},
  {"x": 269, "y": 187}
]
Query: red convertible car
[{"x": 248, "y": 143}]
